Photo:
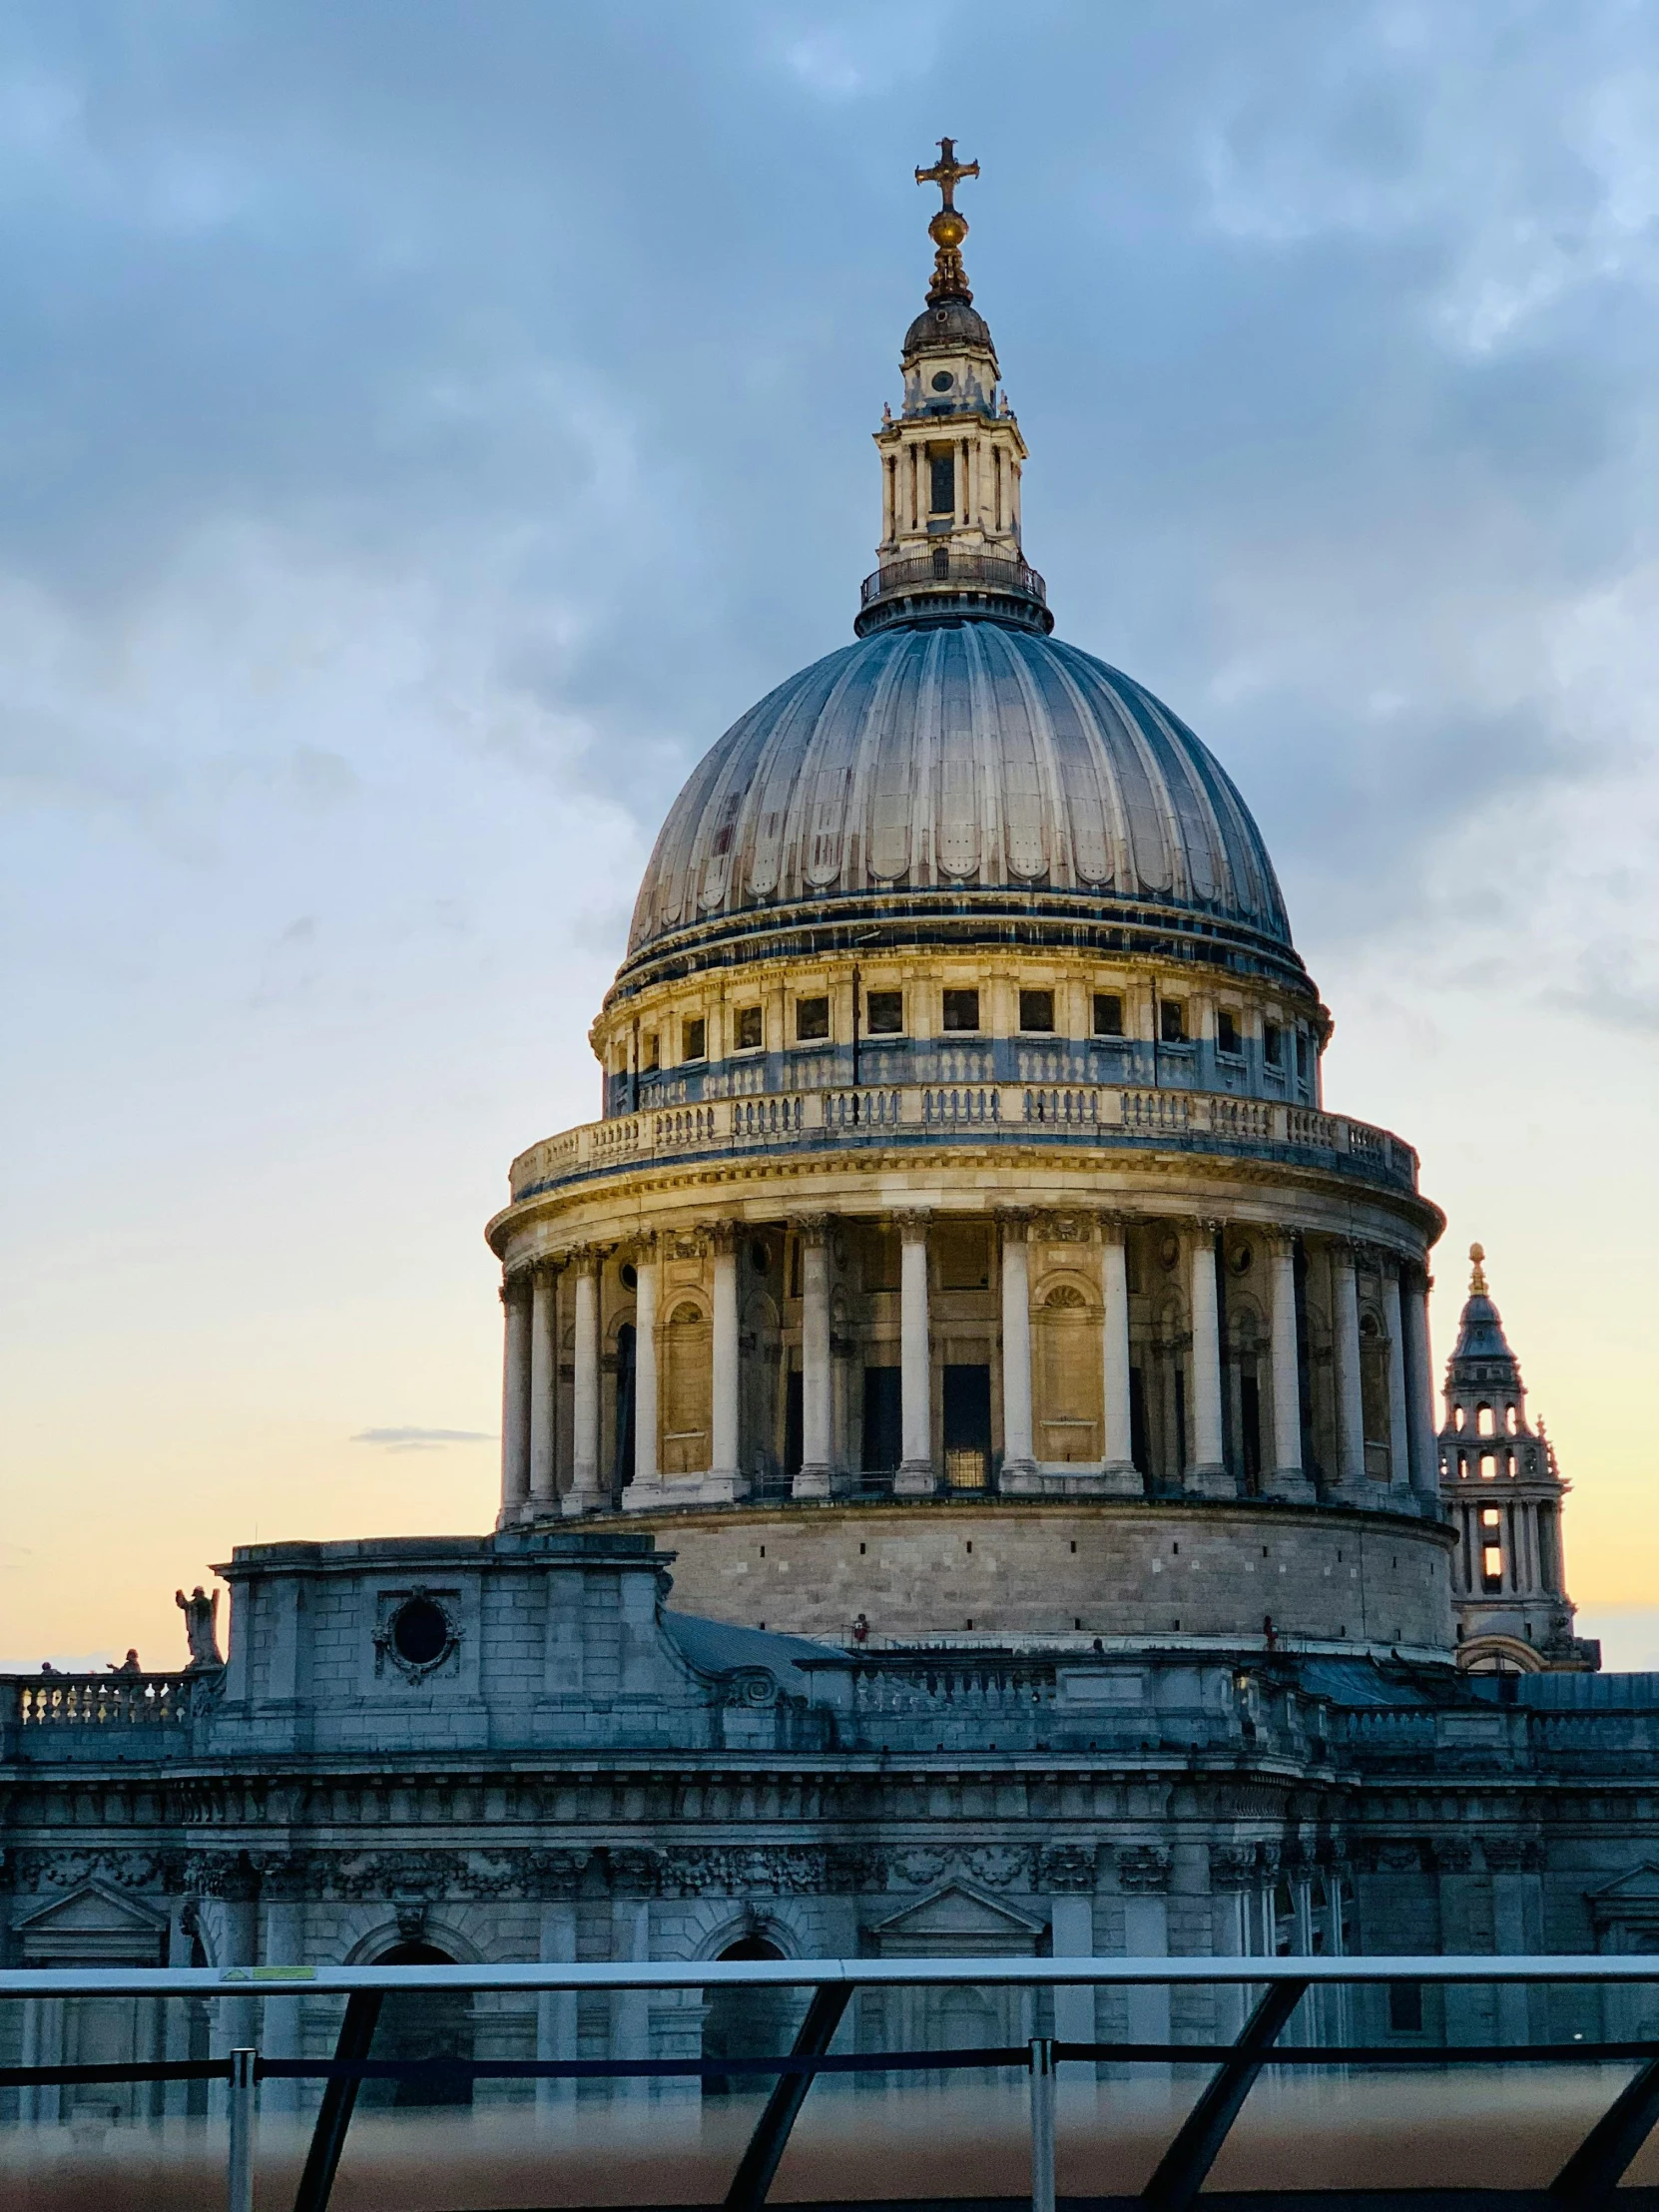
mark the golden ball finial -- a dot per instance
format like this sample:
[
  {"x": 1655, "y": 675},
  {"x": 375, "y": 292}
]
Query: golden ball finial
[{"x": 1477, "y": 1280}]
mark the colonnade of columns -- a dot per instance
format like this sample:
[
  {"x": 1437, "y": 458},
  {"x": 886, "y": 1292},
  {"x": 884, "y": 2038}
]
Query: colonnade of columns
[{"x": 528, "y": 1438}]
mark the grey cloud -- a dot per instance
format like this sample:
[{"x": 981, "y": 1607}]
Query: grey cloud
[{"x": 421, "y": 1439}]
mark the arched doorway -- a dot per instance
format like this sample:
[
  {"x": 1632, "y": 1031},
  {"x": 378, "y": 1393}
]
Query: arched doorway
[
  {"x": 747, "y": 2023},
  {"x": 427, "y": 2024}
]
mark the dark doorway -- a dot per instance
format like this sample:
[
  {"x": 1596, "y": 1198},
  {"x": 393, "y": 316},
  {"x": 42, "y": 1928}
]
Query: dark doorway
[
  {"x": 883, "y": 1420},
  {"x": 967, "y": 1427},
  {"x": 622, "y": 1472},
  {"x": 747, "y": 2023},
  {"x": 425, "y": 2024},
  {"x": 1137, "y": 1419},
  {"x": 795, "y": 1424}
]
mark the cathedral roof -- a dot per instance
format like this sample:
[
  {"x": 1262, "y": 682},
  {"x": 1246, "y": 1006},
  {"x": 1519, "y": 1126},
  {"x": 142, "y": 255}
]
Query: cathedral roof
[{"x": 946, "y": 758}]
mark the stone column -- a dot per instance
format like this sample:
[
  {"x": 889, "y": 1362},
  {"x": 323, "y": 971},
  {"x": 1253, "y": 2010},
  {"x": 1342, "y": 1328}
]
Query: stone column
[
  {"x": 723, "y": 1379},
  {"x": 1287, "y": 1477},
  {"x": 915, "y": 1477},
  {"x": 646, "y": 1474},
  {"x": 813, "y": 1477},
  {"x": 1344, "y": 1347},
  {"x": 1399, "y": 1448},
  {"x": 1419, "y": 1390},
  {"x": 1120, "y": 1475},
  {"x": 556, "y": 2008},
  {"x": 583, "y": 1496},
  {"x": 1208, "y": 1474},
  {"x": 282, "y": 1945},
  {"x": 515, "y": 1399},
  {"x": 1019, "y": 1462},
  {"x": 544, "y": 1361}
]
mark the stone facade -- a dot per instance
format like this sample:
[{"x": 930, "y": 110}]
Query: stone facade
[{"x": 970, "y": 1478}]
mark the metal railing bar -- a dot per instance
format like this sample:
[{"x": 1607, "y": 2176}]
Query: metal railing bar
[
  {"x": 70, "y": 2077},
  {"x": 765, "y": 2147},
  {"x": 1006, "y": 1972},
  {"x": 1590, "y": 2176},
  {"x": 1182, "y": 2170},
  {"x": 356, "y": 2034}
]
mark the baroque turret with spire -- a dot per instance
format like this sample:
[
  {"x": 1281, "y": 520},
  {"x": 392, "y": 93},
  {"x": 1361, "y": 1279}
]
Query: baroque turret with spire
[{"x": 951, "y": 460}]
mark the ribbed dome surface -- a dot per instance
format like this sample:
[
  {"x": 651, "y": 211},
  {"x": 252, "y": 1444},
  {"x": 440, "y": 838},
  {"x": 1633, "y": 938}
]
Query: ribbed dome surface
[{"x": 956, "y": 756}]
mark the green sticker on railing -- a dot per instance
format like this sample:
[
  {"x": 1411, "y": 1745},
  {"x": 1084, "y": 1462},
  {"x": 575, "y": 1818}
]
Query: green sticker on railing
[{"x": 267, "y": 1974}]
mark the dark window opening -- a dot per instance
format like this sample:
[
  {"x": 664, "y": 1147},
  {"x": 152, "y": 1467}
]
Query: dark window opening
[
  {"x": 1172, "y": 1021},
  {"x": 1405, "y": 2007},
  {"x": 1300, "y": 1057},
  {"x": 1227, "y": 1034},
  {"x": 884, "y": 1014},
  {"x": 622, "y": 1468},
  {"x": 421, "y": 2023},
  {"x": 653, "y": 1058},
  {"x": 1137, "y": 1418},
  {"x": 1250, "y": 1423},
  {"x": 695, "y": 1044},
  {"x": 750, "y": 1029},
  {"x": 746, "y": 2023},
  {"x": 1108, "y": 1015},
  {"x": 967, "y": 1427},
  {"x": 419, "y": 1632},
  {"x": 941, "y": 478},
  {"x": 1273, "y": 1044},
  {"x": 795, "y": 1424},
  {"x": 961, "y": 1009},
  {"x": 811, "y": 1019},
  {"x": 1036, "y": 1011},
  {"x": 883, "y": 1420}
]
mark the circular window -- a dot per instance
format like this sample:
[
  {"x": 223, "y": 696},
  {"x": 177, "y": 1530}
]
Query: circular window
[
  {"x": 759, "y": 1258},
  {"x": 943, "y": 380},
  {"x": 420, "y": 1632},
  {"x": 1243, "y": 1260},
  {"x": 1168, "y": 1252},
  {"x": 630, "y": 1276}
]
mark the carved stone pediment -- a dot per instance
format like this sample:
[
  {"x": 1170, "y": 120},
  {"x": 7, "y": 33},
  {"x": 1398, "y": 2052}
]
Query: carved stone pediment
[
  {"x": 956, "y": 1921},
  {"x": 94, "y": 1926}
]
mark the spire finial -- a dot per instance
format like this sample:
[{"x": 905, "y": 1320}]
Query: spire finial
[
  {"x": 1477, "y": 1280},
  {"x": 950, "y": 226}
]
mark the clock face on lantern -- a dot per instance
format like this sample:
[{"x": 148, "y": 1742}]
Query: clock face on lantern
[{"x": 943, "y": 380}]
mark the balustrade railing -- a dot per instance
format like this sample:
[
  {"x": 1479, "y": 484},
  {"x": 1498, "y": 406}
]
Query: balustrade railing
[
  {"x": 1088, "y": 1113},
  {"x": 104, "y": 1700}
]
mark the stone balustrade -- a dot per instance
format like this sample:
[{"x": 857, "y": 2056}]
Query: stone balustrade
[{"x": 1008, "y": 1113}]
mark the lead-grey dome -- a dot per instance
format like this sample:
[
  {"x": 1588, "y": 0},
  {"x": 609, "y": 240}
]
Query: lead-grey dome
[{"x": 963, "y": 758}]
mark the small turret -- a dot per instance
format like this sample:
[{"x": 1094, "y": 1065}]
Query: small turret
[
  {"x": 951, "y": 460},
  {"x": 1503, "y": 1492}
]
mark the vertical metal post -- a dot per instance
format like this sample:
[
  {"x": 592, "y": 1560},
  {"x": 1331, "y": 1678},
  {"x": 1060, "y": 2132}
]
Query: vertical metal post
[
  {"x": 363, "y": 2010},
  {"x": 1042, "y": 2123},
  {"x": 238, "y": 2191}
]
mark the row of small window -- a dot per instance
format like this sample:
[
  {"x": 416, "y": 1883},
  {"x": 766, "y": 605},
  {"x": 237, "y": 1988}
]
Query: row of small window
[
  {"x": 883, "y": 1017},
  {"x": 1486, "y": 1421}
]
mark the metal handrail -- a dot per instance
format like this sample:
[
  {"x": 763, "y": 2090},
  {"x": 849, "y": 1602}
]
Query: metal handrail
[{"x": 923, "y": 571}]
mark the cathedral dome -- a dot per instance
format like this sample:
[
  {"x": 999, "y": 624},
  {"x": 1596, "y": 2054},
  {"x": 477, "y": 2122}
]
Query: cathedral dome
[{"x": 935, "y": 759}]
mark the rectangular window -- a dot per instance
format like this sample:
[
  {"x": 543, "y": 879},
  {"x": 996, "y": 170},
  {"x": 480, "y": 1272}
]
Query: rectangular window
[
  {"x": 649, "y": 1061},
  {"x": 881, "y": 1258},
  {"x": 1227, "y": 1034},
  {"x": 884, "y": 1014},
  {"x": 750, "y": 1029},
  {"x": 1036, "y": 1013},
  {"x": 1273, "y": 1044},
  {"x": 811, "y": 1019},
  {"x": 963, "y": 1253},
  {"x": 941, "y": 478},
  {"x": 1172, "y": 1021},
  {"x": 1405, "y": 2007},
  {"x": 1492, "y": 1568},
  {"x": 1300, "y": 1057},
  {"x": 1108, "y": 1015},
  {"x": 961, "y": 1009},
  {"x": 694, "y": 1040}
]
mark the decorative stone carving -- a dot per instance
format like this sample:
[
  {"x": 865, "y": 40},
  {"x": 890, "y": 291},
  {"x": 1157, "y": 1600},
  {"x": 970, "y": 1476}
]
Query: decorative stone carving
[
  {"x": 1511, "y": 1854},
  {"x": 1143, "y": 1869},
  {"x": 1234, "y": 1866},
  {"x": 1451, "y": 1854},
  {"x": 1066, "y": 1870}
]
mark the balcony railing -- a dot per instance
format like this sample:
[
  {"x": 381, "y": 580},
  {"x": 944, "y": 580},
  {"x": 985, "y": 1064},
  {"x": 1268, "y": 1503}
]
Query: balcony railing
[
  {"x": 1099, "y": 1116},
  {"x": 944, "y": 568}
]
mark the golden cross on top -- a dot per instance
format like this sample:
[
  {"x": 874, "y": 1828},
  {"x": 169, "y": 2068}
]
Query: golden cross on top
[{"x": 948, "y": 172}]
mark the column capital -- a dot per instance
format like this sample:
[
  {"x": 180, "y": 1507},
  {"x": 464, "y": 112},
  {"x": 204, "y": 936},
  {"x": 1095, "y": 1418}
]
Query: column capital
[
  {"x": 1114, "y": 1225},
  {"x": 1206, "y": 1224},
  {"x": 587, "y": 1258},
  {"x": 1015, "y": 1222},
  {"x": 811, "y": 1229},
  {"x": 1278, "y": 1239},
  {"x": 724, "y": 1235},
  {"x": 913, "y": 1223},
  {"x": 515, "y": 1286}
]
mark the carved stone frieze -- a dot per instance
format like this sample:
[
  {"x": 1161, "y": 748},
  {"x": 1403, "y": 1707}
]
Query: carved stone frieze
[
  {"x": 1234, "y": 1866},
  {"x": 1512, "y": 1854},
  {"x": 1066, "y": 1869},
  {"x": 1143, "y": 1869}
]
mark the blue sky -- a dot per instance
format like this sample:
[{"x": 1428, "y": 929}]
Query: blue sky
[{"x": 425, "y": 427}]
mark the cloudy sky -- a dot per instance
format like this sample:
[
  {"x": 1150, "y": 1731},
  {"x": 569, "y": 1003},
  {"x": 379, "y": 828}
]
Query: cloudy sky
[{"x": 426, "y": 424}]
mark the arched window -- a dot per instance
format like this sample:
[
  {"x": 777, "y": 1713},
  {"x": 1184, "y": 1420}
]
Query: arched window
[
  {"x": 1068, "y": 1376},
  {"x": 1374, "y": 1397},
  {"x": 747, "y": 2023},
  {"x": 1511, "y": 1417},
  {"x": 1483, "y": 1420},
  {"x": 685, "y": 1391},
  {"x": 1458, "y": 1417}
]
